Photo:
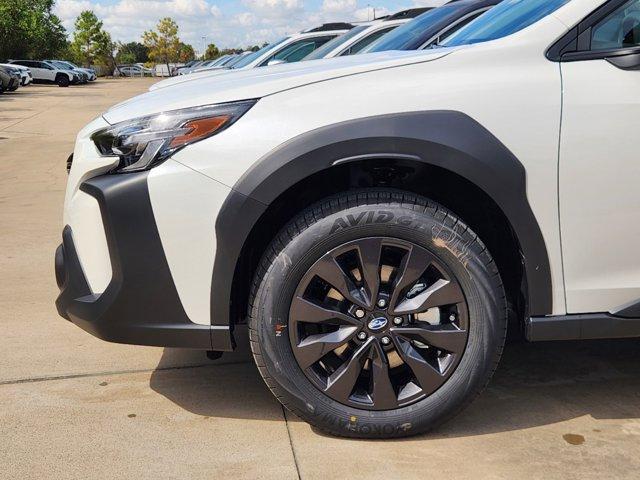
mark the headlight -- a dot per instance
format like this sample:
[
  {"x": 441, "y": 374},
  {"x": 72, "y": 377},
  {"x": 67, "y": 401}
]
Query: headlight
[{"x": 143, "y": 142}]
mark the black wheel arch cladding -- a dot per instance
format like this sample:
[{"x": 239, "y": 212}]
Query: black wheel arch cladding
[{"x": 450, "y": 140}]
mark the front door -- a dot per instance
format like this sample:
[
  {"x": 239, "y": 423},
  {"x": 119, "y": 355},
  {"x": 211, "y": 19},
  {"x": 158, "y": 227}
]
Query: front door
[{"x": 600, "y": 162}]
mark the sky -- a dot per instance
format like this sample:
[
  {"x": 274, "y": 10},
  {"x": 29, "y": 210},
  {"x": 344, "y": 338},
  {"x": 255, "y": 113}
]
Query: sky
[{"x": 227, "y": 23}]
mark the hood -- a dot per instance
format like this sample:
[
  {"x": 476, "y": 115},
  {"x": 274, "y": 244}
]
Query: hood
[
  {"x": 259, "y": 82},
  {"x": 194, "y": 75}
]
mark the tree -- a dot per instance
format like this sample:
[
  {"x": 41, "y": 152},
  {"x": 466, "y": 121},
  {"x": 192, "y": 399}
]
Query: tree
[
  {"x": 164, "y": 44},
  {"x": 28, "y": 29},
  {"x": 186, "y": 53},
  {"x": 91, "y": 44},
  {"x": 105, "y": 48},
  {"x": 132, "y": 52},
  {"x": 212, "y": 52}
]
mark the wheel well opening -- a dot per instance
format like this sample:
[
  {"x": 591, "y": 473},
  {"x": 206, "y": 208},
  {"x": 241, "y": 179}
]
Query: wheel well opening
[{"x": 456, "y": 193}]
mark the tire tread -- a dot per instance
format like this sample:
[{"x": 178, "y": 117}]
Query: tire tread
[{"x": 335, "y": 204}]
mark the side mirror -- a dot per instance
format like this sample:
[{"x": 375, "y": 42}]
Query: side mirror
[{"x": 275, "y": 62}]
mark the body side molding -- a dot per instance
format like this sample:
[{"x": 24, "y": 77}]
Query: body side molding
[
  {"x": 590, "y": 326},
  {"x": 447, "y": 139}
]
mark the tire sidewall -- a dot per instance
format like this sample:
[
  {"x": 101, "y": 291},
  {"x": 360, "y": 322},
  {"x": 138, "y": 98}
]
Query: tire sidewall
[{"x": 427, "y": 229}]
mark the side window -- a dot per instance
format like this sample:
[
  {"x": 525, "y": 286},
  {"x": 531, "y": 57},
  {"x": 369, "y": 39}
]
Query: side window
[
  {"x": 447, "y": 33},
  {"x": 365, "y": 42},
  {"x": 296, "y": 51},
  {"x": 621, "y": 29}
]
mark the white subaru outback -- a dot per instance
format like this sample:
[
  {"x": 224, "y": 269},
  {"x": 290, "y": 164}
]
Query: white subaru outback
[{"x": 377, "y": 220}]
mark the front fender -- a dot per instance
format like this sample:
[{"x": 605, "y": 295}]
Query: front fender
[{"x": 447, "y": 139}]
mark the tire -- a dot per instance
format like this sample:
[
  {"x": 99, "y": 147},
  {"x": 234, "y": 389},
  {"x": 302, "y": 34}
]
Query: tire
[
  {"x": 404, "y": 227},
  {"x": 62, "y": 81}
]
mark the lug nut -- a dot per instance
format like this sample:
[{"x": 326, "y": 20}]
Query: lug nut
[
  {"x": 362, "y": 336},
  {"x": 385, "y": 341},
  {"x": 359, "y": 313},
  {"x": 382, "y": 303},
  {"x": 397, "y": 321}
]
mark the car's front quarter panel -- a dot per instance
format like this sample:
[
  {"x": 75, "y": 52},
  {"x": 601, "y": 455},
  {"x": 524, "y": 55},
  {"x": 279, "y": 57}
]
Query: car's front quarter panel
[
  {"x": 119, "y": 265},
  {"x": 185, "y": 207},
  {"x": 514, "y": 94}
]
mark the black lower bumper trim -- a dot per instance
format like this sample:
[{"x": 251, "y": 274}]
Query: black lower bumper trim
[
  {"x": 592, "y": 326},
  {"x": 141, "y": 304}
]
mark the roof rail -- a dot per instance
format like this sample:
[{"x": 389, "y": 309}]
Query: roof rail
[
  {"x": 411, "y": 13},
  {"x": 330, "y": 26}
]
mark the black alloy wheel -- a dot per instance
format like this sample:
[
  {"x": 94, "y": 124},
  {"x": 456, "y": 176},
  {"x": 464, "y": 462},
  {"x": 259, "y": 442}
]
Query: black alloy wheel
[
  {"x": 378, "y": 323},
  {"x": 377, "y": 314}
]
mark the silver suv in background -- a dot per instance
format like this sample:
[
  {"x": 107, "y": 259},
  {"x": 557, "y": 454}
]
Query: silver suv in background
[
  {"x": 44, "y": 71},
  {"x": 89, "y": 72}
]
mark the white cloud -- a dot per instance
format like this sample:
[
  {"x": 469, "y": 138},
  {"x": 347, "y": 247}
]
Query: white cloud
[
  {"x": 216, "y": 12},
  {"x": 223, "y": 22},
  {"x": 367, "y": 13},
  {"x": 339, "y": 5}
]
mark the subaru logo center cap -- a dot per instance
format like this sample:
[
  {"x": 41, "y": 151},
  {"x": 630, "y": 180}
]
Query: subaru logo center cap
[{"x": 377, "y": 323}]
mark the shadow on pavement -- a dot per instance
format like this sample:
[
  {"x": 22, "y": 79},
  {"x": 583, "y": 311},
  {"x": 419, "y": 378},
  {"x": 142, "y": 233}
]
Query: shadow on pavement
[{"x": 535, "y": 385}]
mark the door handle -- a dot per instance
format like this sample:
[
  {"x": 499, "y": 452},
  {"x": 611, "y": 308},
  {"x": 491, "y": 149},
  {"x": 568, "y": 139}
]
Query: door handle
[{"x": 626, "y": 62}]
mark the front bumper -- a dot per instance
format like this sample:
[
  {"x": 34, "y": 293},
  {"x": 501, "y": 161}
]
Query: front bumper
[{"x": 140, "y": 305}]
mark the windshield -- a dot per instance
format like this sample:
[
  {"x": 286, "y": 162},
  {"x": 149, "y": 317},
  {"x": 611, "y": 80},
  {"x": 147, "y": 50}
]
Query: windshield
[
  {"x": 236, "y": 59},
  {"x": 507, "y": 18},
  {"x": 406, "y": 36},
  {"x": 253, "y": 56},
  {"x": 62, "y": 65},
  {"x": 336, "y": 42}
]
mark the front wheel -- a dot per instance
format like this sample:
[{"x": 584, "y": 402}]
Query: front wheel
[
  {"x": 62, "y": 81},
  {"x": 377, "y": 314}
]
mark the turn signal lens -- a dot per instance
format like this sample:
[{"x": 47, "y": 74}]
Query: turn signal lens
[{"x": 199, "y": 129}]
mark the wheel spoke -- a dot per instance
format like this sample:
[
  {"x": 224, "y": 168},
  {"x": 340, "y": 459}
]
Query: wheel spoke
[
  {"x": 369, "y": 251},
  {"x": 444, "y": 337},
  {"x": 303, "y": 310},
  {"x": 340, "y": 384},
  {"x": 314, "y": 347},
  {"x": 413, "y": 265},
  {"x": 427, "y": 376},
  {"x": 328, "y": 269},
  {"x": 334, "y": 307},
  {"x": 384, "y": 396},
  {"x": 442, "y": 292}
]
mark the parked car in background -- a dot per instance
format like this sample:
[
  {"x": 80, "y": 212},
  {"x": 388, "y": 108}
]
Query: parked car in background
[
  {"x": 177, "y": 69},
  {"x": 432, "y": 27},
  {"x": 237, "y": 58},
  {"x": 290, "y": 49},
  {"x": 46, "y": 72},
  {"x": 83, "y": 77},
  {"x": 134, "y": 71},
  {"x": 25, "y": 73},
  {"x": 361, "y": 36},
  {"x": 9, "y": 79},
  {"x": 90, "y": 72},
  {"x": 186, "y": 70},
  {"x": 213, "y": 64}
]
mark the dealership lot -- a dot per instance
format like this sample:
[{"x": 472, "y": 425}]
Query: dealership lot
[{"x": 72, "y": 406}]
